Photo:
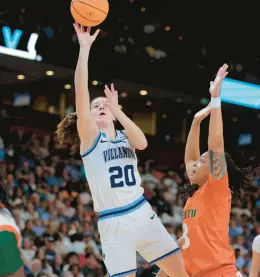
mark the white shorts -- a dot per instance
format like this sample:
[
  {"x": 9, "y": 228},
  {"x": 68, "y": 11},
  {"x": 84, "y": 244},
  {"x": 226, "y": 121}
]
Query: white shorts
[{"x": 135, "y": 227}]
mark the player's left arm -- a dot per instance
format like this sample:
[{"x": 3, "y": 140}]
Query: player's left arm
[
  {"x": 134, "y": 134},
  {"x": 217, "y": 161}
]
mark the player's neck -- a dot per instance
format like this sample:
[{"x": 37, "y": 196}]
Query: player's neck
[{"x": 110, "y": 131}]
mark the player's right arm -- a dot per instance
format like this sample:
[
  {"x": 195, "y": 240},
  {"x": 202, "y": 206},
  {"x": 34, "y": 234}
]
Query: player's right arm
[
  {"x": 217, "y": 161},
  {"x": 255, "y": 268},
  {"x": 192, "y": 151},
  {"x": 87, "y": 128}
]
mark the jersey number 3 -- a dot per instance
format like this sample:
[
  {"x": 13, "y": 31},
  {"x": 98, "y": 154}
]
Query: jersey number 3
[{"x": 121, "y": 176}]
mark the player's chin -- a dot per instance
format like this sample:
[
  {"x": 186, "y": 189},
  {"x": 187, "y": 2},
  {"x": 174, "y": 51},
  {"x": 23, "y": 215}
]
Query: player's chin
[
  {"x": 102, "y": 122},
  {"x": 193, "y": 178}
]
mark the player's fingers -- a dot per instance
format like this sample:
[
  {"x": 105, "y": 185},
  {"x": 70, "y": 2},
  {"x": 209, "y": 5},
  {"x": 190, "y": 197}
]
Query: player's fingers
[
  {"x": 219, "y": 71},
  {"x": 96, "y": 33},
  {"x": 225, "y": 66},
  {"x": 76, "y": 27},
  {"x": 224, "y": 76},
  {"x": 82, "y": 28},
  {"x": 112, "y": 87},
  {"x": 108, "y": 92},
  {"x": 89, "y": 30}
]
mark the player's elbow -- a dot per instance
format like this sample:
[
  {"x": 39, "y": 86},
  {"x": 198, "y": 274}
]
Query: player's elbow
[{"x": 142, "y": 144}]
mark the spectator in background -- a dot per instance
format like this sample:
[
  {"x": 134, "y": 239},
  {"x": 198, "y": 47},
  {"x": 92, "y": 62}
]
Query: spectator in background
[{"x": 28, "y": 249}]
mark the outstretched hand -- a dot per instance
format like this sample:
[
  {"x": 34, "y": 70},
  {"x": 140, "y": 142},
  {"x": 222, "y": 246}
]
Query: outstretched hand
[
  {"x": 112, "y": 97},
  {"x": 202, "y": 114},
  {"x": 84, "y": 36},
  {"x": 215, "y": 86}
]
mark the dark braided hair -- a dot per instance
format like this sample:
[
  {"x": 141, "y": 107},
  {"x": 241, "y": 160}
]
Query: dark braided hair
[{"x": 240, "y": 179}]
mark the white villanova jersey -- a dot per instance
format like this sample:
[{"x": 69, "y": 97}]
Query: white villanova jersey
[{"x": 112, "y": 173}]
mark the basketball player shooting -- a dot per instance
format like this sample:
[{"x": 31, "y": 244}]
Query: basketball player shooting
[{"x": 126, "y": 221}]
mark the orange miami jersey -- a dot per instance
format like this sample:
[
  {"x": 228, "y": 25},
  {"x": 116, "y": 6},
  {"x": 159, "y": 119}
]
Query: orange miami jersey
[{"x": 205, "y": 241}]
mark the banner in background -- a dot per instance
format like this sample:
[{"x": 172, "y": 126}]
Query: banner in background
[{"x": 11, "y": 41}]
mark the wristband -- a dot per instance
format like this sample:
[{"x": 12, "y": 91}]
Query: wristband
[{"x": 215, "y": 102}]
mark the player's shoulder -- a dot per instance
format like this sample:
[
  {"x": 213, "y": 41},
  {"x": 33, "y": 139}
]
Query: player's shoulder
[
  {"x": 5, "y": 215},
  {"x": 223, "y": 180},
  {"x": 217, "y": 188},
  {"x": 256, "y": 244},
  {"x": 218, "y": 185}
]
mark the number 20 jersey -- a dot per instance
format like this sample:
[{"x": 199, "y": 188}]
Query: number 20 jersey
[{"x": 112, "y": 173}]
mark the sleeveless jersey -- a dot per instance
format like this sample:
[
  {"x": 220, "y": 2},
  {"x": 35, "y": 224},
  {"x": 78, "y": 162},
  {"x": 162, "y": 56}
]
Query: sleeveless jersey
[
  {"x": 112, "y": 173},
  {"x": 256, "y": 244},
  {"x": 205, "y": 241}
]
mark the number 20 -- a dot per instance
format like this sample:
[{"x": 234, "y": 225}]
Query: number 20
[{"x": 121, "y": 176}]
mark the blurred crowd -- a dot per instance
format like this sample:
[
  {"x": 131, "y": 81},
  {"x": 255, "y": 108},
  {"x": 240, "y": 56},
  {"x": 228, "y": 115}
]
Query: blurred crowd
[{"x": 51, "y": 203}]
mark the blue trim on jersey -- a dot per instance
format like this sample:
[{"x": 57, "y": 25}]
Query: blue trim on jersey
[
  {"x": 119, "y": 139},
  {"x": 93, "y": 146},
  {"x": 123, "y": 273},
  {"x": 122, "y": 210},
  {"x": 123, "y": 132},
  {"x": 165, "y": 256},
  {"x": 116, "y": 140}
]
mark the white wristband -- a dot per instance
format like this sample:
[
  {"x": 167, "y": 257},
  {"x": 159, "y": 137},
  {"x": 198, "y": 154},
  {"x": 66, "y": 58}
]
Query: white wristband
[{"x": 215, "y": 102}]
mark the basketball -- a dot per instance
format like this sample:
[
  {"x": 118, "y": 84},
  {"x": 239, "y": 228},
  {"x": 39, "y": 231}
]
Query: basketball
[{"x": 89, "y": 13}]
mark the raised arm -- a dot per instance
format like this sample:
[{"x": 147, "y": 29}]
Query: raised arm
[
  {"x": 217, "y": 162},
  {"x": 133, "y": 132},
  {"x": 192, "y": 150},
  {"x": 87, "y": 128}
]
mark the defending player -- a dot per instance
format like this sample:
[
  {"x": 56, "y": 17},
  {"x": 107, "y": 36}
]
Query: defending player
[
  {"x": 214, "y": 178},
  {"x": 127, "y": 222}
]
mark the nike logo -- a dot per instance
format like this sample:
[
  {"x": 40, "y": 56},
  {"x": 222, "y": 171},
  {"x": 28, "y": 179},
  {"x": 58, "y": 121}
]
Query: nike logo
[
  {"x": 152, "y": 217},
  {"x": 102, "y": 141}
]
